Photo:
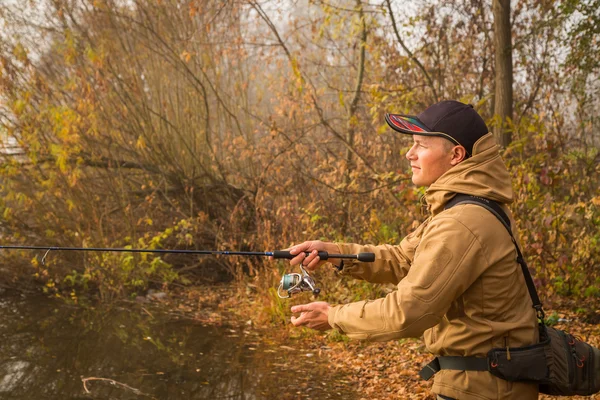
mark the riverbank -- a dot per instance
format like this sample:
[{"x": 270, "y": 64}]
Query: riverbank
[
  {"x": 375, "y": 371},
  {"x": 200, "y": 342}
]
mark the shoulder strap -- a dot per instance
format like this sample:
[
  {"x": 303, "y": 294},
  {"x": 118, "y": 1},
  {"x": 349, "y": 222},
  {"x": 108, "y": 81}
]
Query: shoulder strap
[{"x": 495, "y": 209}]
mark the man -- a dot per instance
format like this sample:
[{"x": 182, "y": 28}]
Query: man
[{"x": 457, "y": 276}]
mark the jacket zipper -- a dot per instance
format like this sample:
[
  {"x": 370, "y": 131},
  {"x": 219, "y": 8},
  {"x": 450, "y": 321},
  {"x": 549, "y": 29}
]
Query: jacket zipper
[{"x": 569, "y": 355}]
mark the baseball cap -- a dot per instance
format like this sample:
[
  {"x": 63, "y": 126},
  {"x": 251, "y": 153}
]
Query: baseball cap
[{"x": 450, "y": 119}]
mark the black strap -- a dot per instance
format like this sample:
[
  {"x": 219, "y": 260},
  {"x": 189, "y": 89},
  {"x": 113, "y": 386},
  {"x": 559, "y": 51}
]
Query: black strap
[
  {"x": 454, "y": 362},
  {"x": 495, "y": 209},
  {"x": 430, "y": 369}
]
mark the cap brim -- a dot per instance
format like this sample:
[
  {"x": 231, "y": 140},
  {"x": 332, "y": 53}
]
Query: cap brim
[
  {"x": 411, "y": 125},
  {"x": 405, "y": 124}
]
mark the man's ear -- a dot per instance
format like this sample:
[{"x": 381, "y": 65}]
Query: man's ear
[{"x": 458, "y": 154}]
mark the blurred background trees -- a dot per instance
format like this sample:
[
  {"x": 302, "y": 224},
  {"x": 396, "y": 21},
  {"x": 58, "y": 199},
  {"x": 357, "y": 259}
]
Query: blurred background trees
[{"x": 257, "y": 124}]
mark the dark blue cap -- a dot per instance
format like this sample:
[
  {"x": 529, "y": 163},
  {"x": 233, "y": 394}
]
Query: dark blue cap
[{"x": 450, "y": 119}]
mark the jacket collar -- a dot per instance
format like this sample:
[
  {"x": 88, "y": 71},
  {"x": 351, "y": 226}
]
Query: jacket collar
[{"x": 484, "y": 174}]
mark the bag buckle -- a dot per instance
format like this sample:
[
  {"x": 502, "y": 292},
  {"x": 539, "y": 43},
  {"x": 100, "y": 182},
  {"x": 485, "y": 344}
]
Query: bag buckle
[{"x": 540, "y": 313}]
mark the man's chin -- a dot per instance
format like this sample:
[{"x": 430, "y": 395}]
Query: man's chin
[{"x": 419, "y": 183}]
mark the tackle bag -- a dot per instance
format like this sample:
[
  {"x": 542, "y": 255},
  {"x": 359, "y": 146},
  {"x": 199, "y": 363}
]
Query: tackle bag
[{"x": 560, "y": 363}]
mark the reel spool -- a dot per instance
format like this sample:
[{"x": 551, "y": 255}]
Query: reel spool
[{"x": 297, "y": 283}]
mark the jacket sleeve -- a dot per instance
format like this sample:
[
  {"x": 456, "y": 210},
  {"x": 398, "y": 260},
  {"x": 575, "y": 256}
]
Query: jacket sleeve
[
  {"x": 391, "y": 264},
  {"x": 448, "y": 260}
]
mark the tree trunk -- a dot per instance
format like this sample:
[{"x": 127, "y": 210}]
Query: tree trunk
[
  {"x": 504, "y": 73},
  {"x": 352, "y": 118}
]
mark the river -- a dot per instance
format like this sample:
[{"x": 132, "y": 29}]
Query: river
[{"x": 55, "y": 351}]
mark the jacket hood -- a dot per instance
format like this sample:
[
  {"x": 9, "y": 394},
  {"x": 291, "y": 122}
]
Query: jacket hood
[{"x": 484, "y": 174}]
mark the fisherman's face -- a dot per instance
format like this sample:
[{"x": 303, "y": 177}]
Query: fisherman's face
[{"x": 430, "y": 157}]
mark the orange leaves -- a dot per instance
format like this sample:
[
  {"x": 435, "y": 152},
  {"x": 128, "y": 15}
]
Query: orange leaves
[
  {"x": 383, "y": 371},
  {"x": 194, "y": 8},
  {"x": 186, "y": 56}
]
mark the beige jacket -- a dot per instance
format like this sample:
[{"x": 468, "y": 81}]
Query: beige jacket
[{"x": 458, "y": 282}]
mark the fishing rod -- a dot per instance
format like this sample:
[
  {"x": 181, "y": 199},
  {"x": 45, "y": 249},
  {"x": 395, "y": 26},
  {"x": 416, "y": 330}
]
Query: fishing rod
[
  {"x": 290, "y": 283},
  {"x": 278, "y": 254}
]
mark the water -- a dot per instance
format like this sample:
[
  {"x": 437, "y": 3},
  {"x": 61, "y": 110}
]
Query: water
[{"x": 50, "y": 350}]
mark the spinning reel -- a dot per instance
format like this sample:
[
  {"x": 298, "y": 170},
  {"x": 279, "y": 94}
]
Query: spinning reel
[{"x": 297, "y": 283}]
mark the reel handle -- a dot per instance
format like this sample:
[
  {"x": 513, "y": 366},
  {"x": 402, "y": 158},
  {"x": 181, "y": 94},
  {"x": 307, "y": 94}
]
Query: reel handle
[{"x": 323, "y": 255}]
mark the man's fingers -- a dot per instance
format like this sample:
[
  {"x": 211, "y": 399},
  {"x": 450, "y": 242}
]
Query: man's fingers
[
  {"x": 303, "y": 319},
  {"x": 298, "y": 321},
  {"x": 313, "y": 261},
  {"x": 301, "y": 308},
  {"x": 302, "y": 247},
  {"x": 306, "y": 260},
  {"x": 312, "y": 315},
  {"x": 311, "y": 256},
  {"x": 293, "y": 249},
  {"x": 299, "y": 259},
  {"x": 310, "y": 261}
]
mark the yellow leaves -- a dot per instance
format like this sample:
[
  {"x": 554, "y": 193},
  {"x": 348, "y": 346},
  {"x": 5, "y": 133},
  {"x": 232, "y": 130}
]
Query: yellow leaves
[
  {"x": 374, "y": 221},
  {"x": 18, "y": 106},
  {"x": 69, "y": 50},
  {"x": 141, "y": 143},
  {"x": 99, "y": 4},
  {"x": 61, "y": 155},
  {"x": 94, "y": 57},
  {"x": 297, "y": 74},
  {"x": 20, "y": 53}
]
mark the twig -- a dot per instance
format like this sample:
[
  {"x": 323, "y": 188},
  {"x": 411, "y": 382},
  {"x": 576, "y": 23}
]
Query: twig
[
  {"x": 148, "y": 312},
  {"x": 115, "y": 383}
]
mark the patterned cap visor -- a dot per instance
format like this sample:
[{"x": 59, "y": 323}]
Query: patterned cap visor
[
  {"x": 405, "y": 123},
  {"x": 412, "y": 126}
]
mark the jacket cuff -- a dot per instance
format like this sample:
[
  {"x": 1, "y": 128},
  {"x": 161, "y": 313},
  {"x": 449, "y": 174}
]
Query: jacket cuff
[
  {"x": 348, "y": 266},
  {"x": 345, "y": 267}
]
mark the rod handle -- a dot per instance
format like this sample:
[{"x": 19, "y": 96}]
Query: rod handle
[
  {"x": 366, "y": 257},
  {"x": 323, "y": 255}
]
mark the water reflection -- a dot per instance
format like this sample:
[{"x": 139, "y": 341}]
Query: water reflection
[{"x": 47, "y": 348}]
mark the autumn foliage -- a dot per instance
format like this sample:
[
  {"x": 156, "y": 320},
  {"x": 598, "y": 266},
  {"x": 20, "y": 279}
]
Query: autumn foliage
[{"x": 253, "y": 125}]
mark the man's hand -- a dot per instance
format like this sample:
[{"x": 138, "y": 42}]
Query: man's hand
[
  {"x": 313, "y": 315},
  {"x": 312, "y": 261}
]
